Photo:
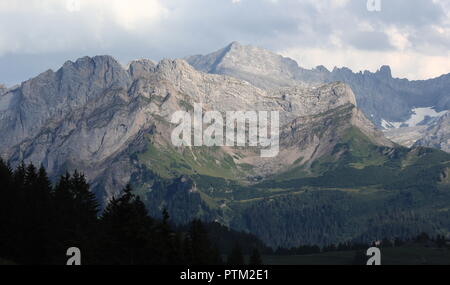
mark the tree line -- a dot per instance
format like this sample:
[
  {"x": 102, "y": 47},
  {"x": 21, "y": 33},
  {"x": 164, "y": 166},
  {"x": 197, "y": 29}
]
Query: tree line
[{"x": 40, "y": 221}]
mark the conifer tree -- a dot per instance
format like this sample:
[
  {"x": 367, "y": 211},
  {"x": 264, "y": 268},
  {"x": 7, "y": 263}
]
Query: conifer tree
[
  {"x": 201, "y": 246},
  {"x": 236, "y": 256},
  {"x": 255, "y": 258},
  {"x": 6, "y": 204},
  {"x": 168, "y": 241},
  {"x": 85, "y": 202},
  {"x": 126, "y": 227}
]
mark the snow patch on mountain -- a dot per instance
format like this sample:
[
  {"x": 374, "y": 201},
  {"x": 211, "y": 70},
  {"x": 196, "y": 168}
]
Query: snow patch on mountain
[{"x": 419, "y": 116}]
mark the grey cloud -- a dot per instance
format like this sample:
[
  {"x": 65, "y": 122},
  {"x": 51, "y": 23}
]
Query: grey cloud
[
  {"x": 201, "y": 26},
  {"x": 400, "y": 12},
  {"x": 369, "y": 40}
]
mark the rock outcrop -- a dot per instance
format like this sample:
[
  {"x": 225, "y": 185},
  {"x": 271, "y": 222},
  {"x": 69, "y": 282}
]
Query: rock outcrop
[{"x": 437, "y": 136}]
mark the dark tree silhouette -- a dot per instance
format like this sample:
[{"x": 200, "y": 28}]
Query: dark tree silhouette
[
  {"x": 38, "y": 223},
  {"x": 236, "y": 257},
  {"x": 126, "y": 226},
  {"x": 255, "y": 258},
  {"x": 199, "y": 248}
]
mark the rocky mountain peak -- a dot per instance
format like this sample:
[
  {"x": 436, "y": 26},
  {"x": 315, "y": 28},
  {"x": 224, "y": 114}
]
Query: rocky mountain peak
[
  {"x": 342, "y": 70},
  {"x": 87, "y": 62},
  {"x": 262, "y": 68},
  {"x": 257, "y": 59},
  {"x": 50, "y": 96},
  {"x": 99, "y": 68},
  {"x": 76, "y": 82},
  {"x": 347, "y": 91},
  {"x": 91, "y": 75},
  {"x": 234, "y": 45},
  {"x": 321, "y": 68},
  {"x": 385, "y": 71},
  {"x": 141, "y": 68},
  {"x": 173, "y": 64},
  {"x": 172, "y": 70}
]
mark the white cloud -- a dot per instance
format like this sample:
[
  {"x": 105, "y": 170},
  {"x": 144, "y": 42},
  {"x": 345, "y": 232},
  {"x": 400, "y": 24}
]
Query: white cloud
[
  {"x": 34, "y": 26},
  {"x": 327, "y": 5},
  {"x": 73, "y": 5},
  {"x": 398, "y": 39},
  {"x": 132, "y": 14}
]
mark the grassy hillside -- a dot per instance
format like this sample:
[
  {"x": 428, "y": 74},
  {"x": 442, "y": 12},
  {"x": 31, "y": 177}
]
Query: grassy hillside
[
  {"x": 360, "y": 191},
  {"x": 168, "y": 162}
]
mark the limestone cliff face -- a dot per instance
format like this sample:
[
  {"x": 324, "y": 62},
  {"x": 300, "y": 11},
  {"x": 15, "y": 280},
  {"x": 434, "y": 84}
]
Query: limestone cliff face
[
  {"x": 379, "y": 95},
  {"x": 51, "y": 96},
  {"x": 93, "y": 115},
  {"x": 438, "y": 135}
]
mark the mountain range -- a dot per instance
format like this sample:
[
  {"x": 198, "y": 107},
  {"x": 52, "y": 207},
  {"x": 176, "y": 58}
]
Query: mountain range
[
  {"x": 390, "y": 103},
  {"x": 336, "y": 178},
  {"x": 379, "y": 95}
]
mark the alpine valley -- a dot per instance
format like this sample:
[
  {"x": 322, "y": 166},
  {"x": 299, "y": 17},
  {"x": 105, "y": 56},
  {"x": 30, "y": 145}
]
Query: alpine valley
[{"x": 336, "y": 178}]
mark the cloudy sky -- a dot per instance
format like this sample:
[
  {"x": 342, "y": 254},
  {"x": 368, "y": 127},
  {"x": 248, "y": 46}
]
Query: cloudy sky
[{"x": 413, "y": 36}]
